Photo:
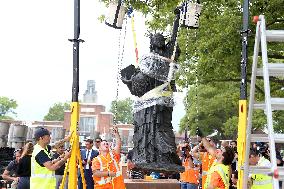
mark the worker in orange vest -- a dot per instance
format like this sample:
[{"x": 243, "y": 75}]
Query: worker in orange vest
[
  {"x": 190, "y": 177},
  {"x": 207, "y": 160},
  {"x": 106, "y": 170},
  {"x": 219, "y": 173}
]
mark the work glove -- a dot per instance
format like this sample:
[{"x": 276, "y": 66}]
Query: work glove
[{"x": 199, "y": 133}]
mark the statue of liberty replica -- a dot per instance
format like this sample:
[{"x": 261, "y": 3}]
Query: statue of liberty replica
[{"x": 154, "y": 139}]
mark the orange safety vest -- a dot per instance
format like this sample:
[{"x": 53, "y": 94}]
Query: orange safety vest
[
  {"x": 190, "y": 175},
  {"x": 108, "y": 163},
  {"x": 207, "y": 161},
  {"x": 223, "y": 171}
]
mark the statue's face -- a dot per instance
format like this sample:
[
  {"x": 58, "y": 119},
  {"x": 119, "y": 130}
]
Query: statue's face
[{"x": 158, "y": 41}]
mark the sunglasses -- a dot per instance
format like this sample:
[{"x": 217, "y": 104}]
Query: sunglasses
[
  {"x": 98, "y": 141},
  {"x": 18, "y": 150}
]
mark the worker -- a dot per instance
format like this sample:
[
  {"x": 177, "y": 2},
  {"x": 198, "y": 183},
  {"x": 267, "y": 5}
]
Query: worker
[
  {"x": 190, "y": 177},
  {"x": 106, "y": 170},
  {"x": 219, "y": 173},
  {"x": 259, "y": 181},
  {"x": 200, "y": 153},
  {"x": 42, "y": 166}
]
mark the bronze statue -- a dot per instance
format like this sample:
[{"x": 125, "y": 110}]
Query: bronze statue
[{"x": 154, "y": 140}]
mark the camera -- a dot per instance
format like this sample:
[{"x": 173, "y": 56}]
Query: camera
[{"x": 184, "y": 149}]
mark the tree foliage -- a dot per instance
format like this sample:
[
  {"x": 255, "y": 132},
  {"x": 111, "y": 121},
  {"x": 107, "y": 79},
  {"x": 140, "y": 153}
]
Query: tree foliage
[
  {"x": 56, "y": 112},
  {"x": 211, "y": 55},
  {"x": 122, "y": 110},
  {"x": 210, "y": 109},
  {"x": 7, "y": 106}
]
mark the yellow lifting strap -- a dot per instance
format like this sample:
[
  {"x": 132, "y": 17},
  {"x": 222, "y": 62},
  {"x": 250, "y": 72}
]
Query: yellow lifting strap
[
  {"x": 163, "y": 90},
  {"x": 134, "y": 39}
]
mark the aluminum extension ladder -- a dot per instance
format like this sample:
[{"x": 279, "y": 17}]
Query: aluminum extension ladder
[{"x": 271, "y": 104}]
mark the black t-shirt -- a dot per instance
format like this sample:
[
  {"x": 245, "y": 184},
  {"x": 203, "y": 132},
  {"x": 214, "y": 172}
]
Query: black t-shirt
[
  {"x": 42, "y": 157},
  {"x": 59, "y": 171},
  {"x": 24, "y": 168},
  {"x": 12, "y": 167}
]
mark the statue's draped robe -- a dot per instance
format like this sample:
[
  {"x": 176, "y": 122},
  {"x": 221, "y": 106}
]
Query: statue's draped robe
[{"x": 154, "y": 140}]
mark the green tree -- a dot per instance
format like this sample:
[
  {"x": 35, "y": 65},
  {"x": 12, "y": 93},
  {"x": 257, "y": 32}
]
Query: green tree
[
  {"x": 56, "y": 112},
  {"x": 7, "y": 106},
  {"x": 211, "y": 110},
  {"x": 122, "y": 110},
  {"x": 211, "y": 54}
]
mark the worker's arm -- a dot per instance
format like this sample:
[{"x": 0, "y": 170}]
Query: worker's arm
[
  {"x": 6, "y": 176},
  {"x": 54, "y": 166},
  {"x": 98, "y": 173},
  {"x": 61, "y": 142},
  {"x": 96, "y": 169},
  {"x": 211, "y": 149},
  {"x": 118, "y": 140},
  {"x": 179, "y": 151},
  {"x": 195, "y": 152}
]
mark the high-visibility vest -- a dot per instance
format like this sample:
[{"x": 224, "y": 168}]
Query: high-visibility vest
[
  {"x": 41, "y": 177},
  {"x": 189, "y": 175},
  {"x": 261, "y": 181},
  {"x": 108, "y": 163},
  {"x": 207, "y": 162},
  {"x": 222, "y": 170}
]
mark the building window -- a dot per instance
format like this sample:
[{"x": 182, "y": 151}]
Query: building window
[{"x": 87, "y": 125}]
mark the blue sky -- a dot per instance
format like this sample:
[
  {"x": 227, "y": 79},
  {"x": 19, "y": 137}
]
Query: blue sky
[{"x": 36, "y": 56}]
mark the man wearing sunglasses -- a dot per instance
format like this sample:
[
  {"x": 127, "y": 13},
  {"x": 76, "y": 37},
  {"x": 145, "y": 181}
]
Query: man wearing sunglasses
[
  {"x": 97, "y": 144},
  {"x": 87, "y": 155},
  {"x": 106, "y": 169}
]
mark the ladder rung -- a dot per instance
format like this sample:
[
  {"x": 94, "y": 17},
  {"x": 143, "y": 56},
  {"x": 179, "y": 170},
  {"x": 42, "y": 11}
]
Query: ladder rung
[
  {"x": 276, "y": 104},
  {"x": 278, "y": 138},
  {"x": 275, "y": 35},
  {"x": 258, "y": 169},
  {"x": 274, "y": 69},
  {"x": 267, "y": 170}
]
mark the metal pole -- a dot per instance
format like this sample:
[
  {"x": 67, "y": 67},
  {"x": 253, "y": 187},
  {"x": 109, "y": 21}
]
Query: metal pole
[
  {"x": 75, "y": 106},
  {"x": 243, "y": 100},
  {"x": 174, "y": 34},
  {"x": 75, "y": 85},
  {"x": 244, "y": 60}
]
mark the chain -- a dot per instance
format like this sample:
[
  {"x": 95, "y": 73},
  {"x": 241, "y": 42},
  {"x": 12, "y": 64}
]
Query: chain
[
  {"x": 119, "y": 66},
  {"x": 196, "y": 90},
  {"x": 188, "y": 60}
]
